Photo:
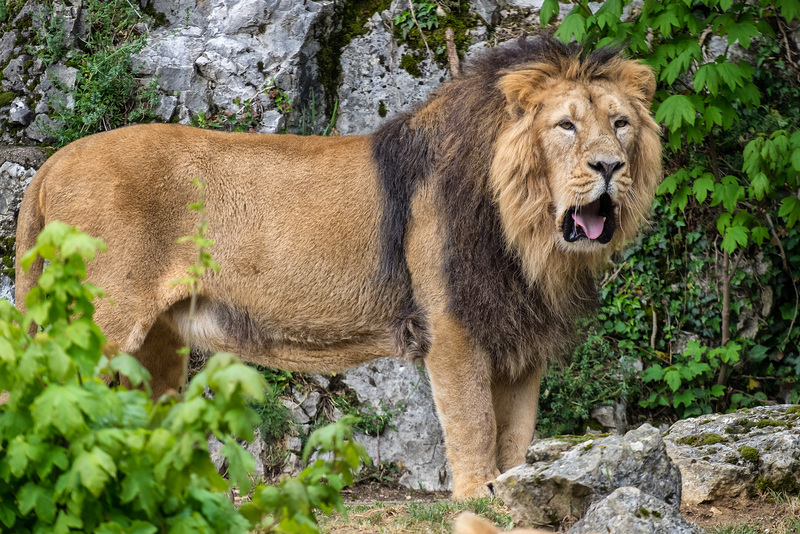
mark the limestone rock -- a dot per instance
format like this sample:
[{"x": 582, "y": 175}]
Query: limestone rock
[
  {"x": 20, "y": 113},
  {"x": 564, "y": 484},
  {"x": 14, "y": 178},
  {"x": 12, "y": 76},
  {"x": 732, "y": 455},
  {"x": 633, "y": 511},
  {"x": 223, "y": 50},
  {"x": 373, "y": 84},
  {"x": 417, "y": 441}
]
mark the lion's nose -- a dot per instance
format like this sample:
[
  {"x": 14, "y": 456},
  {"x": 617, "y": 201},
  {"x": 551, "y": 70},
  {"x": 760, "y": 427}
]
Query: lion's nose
[{"x": 606, "y": 169}]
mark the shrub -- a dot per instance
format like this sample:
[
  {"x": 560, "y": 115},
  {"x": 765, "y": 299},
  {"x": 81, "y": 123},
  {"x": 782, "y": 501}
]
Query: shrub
[{"x": 79, "y": 455}]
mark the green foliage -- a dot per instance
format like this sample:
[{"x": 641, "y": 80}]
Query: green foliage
[
  {"x": 428, "y": 38},
  {"x": 289, "y": 506},
  {"x": 595, "y": 375},
  {"x": 730, "y": 195},
  {"x": 79, "y": 456},
  {"x": 107, "y": 94},
  {"x": 424, "y": 15}
]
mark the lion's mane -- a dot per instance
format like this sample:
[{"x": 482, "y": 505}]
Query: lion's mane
[{"x": 515, "y": 291}]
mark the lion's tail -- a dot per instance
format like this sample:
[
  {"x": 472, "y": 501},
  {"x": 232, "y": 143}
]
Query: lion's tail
[{"x": 29, "y": 224}]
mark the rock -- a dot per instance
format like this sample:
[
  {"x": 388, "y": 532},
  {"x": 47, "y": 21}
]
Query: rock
[
  {"x": 728, "y": 456},
  {"x": 417, "y": 440},
  {"x": 631, "y": 511},
  {"x": 20, "y": 113},
  {"x": 612, "y": 416},
  {"x": 218, "y": 51},
  {"x": 373, "y": 84},
  {"x": 7, "y": 42},
  {"x": 42, "y": 128},
  {"x": 12, "y": 79},
  {"x": 564, "y": 484},
  {"x": 14, "y": 178},
  {"x": 23, "y": 155},
  {"x": 6, "y": 288}
]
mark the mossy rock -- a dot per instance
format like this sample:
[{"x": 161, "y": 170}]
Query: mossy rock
[
  {"x": 459, "y": 18},
  {"x": 749, "y": 453},
  {"x": 7, "y": 256},
  {"x": 7, "y": 97},
  {"x": 702, "y": 440}
]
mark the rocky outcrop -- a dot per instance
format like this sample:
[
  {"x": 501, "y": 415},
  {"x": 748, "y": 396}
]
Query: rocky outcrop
[
  {"x": 633, "y": 511},
  {"x": 210, "y": 53},
  {"x": 562, "y": 479},
  {"x": 414, "y": 440},
  {"x": 732, "y": 456}
]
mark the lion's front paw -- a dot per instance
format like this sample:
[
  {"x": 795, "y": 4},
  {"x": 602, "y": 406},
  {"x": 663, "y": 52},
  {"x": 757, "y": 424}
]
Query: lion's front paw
[{"x": 473, "y": 491}]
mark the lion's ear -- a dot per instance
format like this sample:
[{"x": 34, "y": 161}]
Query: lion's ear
[
  {"x": 638, "y": 80},
  {"x": 522, "y": 88}
]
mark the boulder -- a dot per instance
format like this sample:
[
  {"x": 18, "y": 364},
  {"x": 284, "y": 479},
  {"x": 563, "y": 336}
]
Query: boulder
[
  {"x": 632, "y": 511},
  {"x": 556, "y": 482},
  {"x": 415, "y": 439},
  {"x": 728, "y": 456}
]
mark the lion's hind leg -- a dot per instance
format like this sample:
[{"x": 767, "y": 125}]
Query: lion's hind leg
[
  {"x": 159, "y": 355},
  {"x": 515, "y": 407}
]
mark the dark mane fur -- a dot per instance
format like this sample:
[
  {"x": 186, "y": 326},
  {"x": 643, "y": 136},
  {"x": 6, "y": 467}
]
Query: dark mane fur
[{"x": 506, "y": 316}]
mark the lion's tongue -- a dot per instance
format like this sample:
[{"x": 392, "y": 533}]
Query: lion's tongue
[{"x": 590, "y": 221}]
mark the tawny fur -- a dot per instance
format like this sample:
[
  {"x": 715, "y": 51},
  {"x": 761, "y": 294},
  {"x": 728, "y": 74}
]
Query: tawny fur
[
  {"x": 469, "y": 523},
  {"x": 439, "y": 237}
]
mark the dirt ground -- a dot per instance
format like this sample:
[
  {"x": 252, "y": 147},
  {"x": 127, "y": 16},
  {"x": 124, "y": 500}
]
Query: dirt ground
[
  {"x": 392, "y": 508},
  {"x": 770, "y": 514}
]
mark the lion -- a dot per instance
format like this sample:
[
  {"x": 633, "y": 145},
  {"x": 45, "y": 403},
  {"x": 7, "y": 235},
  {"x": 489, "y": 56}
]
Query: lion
[{"x": 464, "y": 233}]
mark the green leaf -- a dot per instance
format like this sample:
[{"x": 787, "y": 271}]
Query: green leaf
[
  {"x": 550, "y": 9},
  {"x": 735, "y": 236},
  {"x": 702, "y": 186},
  {"x": 686, "y": 398},
  {"x": 758, "y": 234},
  {"x": 672, "y": 377},
  {"x": 653, "y": 373},
  {"x": 33, "y": 496},
  {"x": 95, "y": 468},
  {"x": 759, "y": 186},
  {"x": 128, "y": 366},
  {"x": 742, "y": 32},
  {"x": 240, "y": 464},
  {"x": 60, "y": 406},
  {"x": 675, "y": 111},
  {"x": 573, "y": 25},
  {"x": 796, "y": 159},
  {"x": 790, "y": 211},
  {"x": 139, "y": 486}
]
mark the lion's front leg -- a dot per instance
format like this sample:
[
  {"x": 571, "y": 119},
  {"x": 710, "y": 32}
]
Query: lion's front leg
[
  {"x": 515, "y": 408},
  {"x": 460, "y": 379}
]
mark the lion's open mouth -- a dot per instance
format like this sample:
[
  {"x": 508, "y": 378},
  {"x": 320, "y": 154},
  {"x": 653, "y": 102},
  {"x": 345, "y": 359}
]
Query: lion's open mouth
[{"x": 594, "y": 221}]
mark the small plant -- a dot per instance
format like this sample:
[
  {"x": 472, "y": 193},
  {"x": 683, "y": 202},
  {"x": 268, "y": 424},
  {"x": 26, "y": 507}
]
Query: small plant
[
  {"x": 289, "y": 506},
  {"x": 594, "y": 376},
  {"x": 79, "y": 454},
  {"x": 423, "y": 14},
  {"x": 107, "y": 94},
  {"x": 279, "y": 96}
]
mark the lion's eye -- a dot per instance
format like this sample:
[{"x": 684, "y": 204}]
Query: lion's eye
[
  {"x": 565, "y": 124},
  {"x": 620, "y": 123}
]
